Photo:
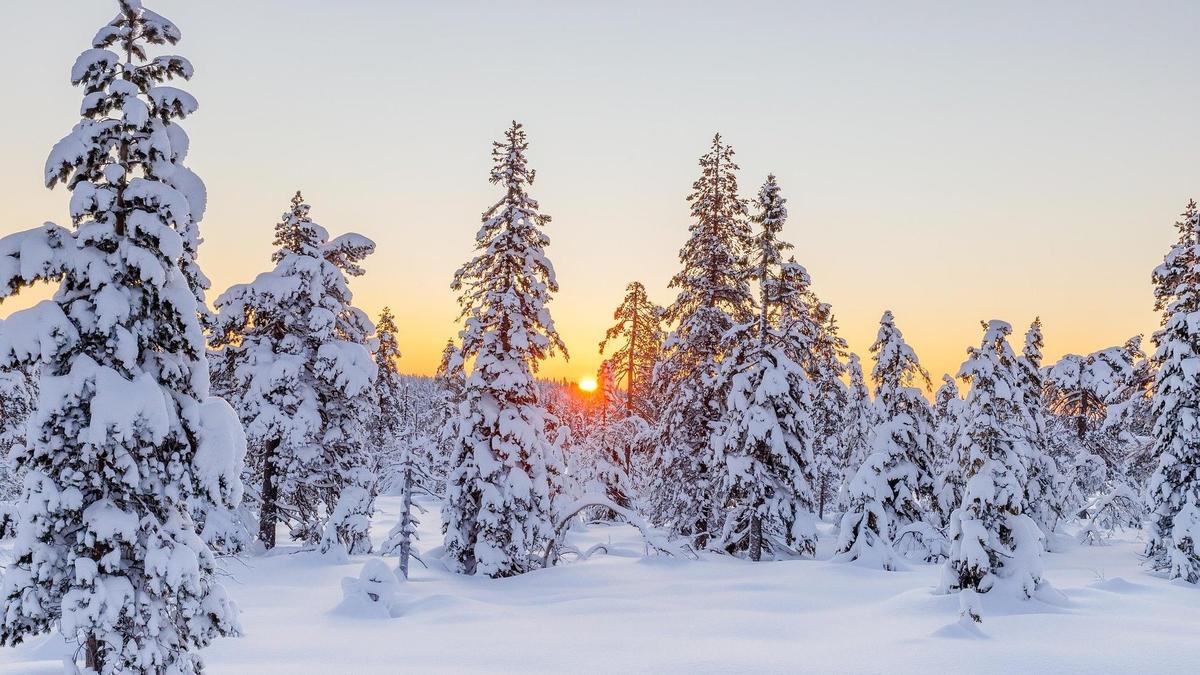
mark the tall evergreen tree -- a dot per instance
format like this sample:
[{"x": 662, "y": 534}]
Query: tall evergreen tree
[
  {"x": 950, "y": 463},
  {"x": 498, "y": 510},
  {"x": 1099, "y": 424},
  {"x": 820, "y": 351},
  {"x": 766, "y": 448},
  {"x": 1129, "y": 419},
  {"x": 450, "y": 382},
  {"x": 292, "y": 353},
  {"x": 391, "y": 438},
  {"x": 1174, "y": 528},
  {"x": 855, "y": 436},
  {"x": 714, "y": 295},
  {"x": 823, "y": 362},
  {"x": 125, "y": 438},
  {"x": 890, "y": 490},
  {"x": 639, "y": 336},
  {"x": 390, "y": 428},
  {"x": 993, "y": 540},
  {"x": 1044, "y": 489}
]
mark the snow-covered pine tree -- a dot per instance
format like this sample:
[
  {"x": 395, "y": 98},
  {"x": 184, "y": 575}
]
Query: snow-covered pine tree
[
  {"x": 1044, "y": 485},
  {"x": 292, "y": 350},
  {"x": 1174, "y": 528},
  {"x": 714, "y": 295},
  {"x": 765, "y": 497},
  {"x": 1076, "y": 388},
  {"x": 450, "y": 385},
  {"x": 391, "y": 439},
  {"x": 949, "y": 463},
  {"x": 498, "y": 511},
  {"x": 818, "y": 348},
  {"x": 1074, "y": 394},
  {"x": 855, "y": 436},
  {"x": 1129, "y": 420},
  {"x": 823, "y": 362},
  {"x": 889, "y": 491},
  {"x": 390, "y": 426},
  {"x": 993, "y": 541},
  {"x": 639, "y": 336},
  {"x": 125, "y": 437},
  {"x": 1100, "y": 427},
  {"x": 605, "y": 453}
]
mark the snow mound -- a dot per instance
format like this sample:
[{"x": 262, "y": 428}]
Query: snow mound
[
  {"x": 374, "y": 594},
  {"x": 1118, "y": 585},
  {"x": 963, "y": 629}
]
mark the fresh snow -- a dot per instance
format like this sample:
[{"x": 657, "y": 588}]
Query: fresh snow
[{"x": 623, "y": 612}]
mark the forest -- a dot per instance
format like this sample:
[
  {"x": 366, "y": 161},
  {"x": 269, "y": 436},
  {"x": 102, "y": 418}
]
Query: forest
[{"x": 167, "y": 449}]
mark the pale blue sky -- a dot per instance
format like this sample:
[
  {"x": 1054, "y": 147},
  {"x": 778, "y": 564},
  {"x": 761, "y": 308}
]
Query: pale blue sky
[{"x": 950, "y": 161}]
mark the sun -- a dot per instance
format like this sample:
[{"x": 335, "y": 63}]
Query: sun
[{"x": 588, "y": 384}]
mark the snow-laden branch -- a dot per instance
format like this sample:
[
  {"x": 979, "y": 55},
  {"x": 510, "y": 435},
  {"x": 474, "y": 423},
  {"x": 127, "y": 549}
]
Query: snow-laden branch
[{"x": 652, "y": 539}]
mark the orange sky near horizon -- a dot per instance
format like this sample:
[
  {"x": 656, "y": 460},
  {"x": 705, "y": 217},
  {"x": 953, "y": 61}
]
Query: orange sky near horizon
[{"x": 950, "y": 163}]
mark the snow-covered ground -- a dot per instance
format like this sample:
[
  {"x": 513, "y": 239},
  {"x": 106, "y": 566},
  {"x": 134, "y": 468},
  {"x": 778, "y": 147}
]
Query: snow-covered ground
[{"x": 623, "y": 612}]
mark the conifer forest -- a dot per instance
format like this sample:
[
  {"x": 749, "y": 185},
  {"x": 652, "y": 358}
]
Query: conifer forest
[{"x": 254, "y": 479}]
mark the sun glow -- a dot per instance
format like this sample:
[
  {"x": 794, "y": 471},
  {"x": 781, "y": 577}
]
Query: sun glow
[{"x": 588, "y": 384}]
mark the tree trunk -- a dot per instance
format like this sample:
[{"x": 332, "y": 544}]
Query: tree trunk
[
  {"x": 756, "y": 538},
  {"x": 701, "y": 538},
  {"x": 269, "y": 515},
  {"x": 1081, "y": 419},
  {"x": 406, "y": 519},
  {"x": 92, "y": 656},
  {"x": 821, "y": 499},
  {"x": 633, "y": 341}
]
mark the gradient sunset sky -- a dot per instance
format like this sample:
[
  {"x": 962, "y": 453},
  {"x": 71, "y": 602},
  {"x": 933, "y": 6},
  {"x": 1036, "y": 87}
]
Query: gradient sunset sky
[{"x": 952, "y": 162}]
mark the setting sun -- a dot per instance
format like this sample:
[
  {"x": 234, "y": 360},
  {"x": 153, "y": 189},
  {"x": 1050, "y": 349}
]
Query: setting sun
[{"x": 588, "y": 384}]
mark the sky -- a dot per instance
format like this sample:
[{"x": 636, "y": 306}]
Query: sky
[{"x": 952, "y": 162}]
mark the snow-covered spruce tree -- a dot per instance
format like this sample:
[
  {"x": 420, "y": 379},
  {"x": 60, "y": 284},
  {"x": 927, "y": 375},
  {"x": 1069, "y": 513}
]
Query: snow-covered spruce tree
[
  {"x": 390, "y": 426},
  {"x": 497, "y": 515},
  {"x": 823, "y": 362},
  {"x": 818, "y": 348},
  {"x": 1044, "y": 489},
  {"x": 765, "y": 497},
  {"x": 994, "y": 543},
  {"x": 949, "y": 462},
  {"x": 638, "y": 336},
  {"x": 888, "y": 495},
  {"x": 855, "y": 436},
  {"x": 714, "y": 295},
  {"x": 292, "y": 348},
  {"x": 604, "y": 454},
  {"x": 1174, "y": 528},
  {"x": 1076, "y": 392},
  {"x": 392, "y": 440},
  {"x": 450, "y": 385},
  {"x": 125, "y": 437},
  {"x": 1129, "y": 421},
  {"x": 1100, "y": 414}
]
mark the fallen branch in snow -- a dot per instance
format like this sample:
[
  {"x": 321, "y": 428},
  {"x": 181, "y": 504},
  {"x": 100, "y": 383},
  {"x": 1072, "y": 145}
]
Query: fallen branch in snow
[
  {"x": 653, "y": 541},
  {"x": 584, "y": 555}
]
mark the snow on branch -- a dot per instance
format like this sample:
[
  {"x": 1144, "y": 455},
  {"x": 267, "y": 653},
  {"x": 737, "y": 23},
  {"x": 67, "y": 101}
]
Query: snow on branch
[
  {"x": 31, "y": 256},
  {"x": 652, "y": 539},
  {"x": 35, "y": 334}
]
